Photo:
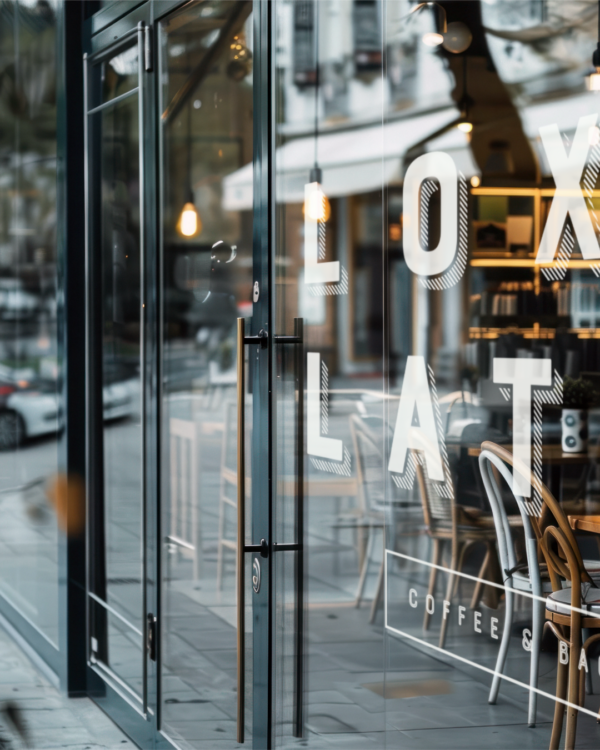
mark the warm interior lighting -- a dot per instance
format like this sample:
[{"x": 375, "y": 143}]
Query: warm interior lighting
[
  {"x": 317, "y": 206},
  {"x": 593, "y": 81},
  {"x": 432, "y": 39},
  {"x": 395, "y": 232},
  {"x": 189, "y": 224},
  {"x": 475, "y": 181},
  {"x": 465, "y": 126}
]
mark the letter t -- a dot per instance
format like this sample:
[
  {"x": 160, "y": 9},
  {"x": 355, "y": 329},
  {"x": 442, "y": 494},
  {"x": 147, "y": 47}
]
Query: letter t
[{"x": 522, "y": 374}]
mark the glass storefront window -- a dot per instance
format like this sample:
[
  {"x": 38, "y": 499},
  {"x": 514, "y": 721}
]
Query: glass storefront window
[
  {"x": 30, "y": 413},
  {"x": 437, "y": 230}
]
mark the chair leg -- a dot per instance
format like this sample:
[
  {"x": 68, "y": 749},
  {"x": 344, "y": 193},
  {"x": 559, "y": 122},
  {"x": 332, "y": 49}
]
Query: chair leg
[
  {"x": 536, "y": 645},
  {"x": 435, "y": 559},
  {"x": 220, "y": 547},
  {"x": 365, "y": 569},
  {"x": 479, "y": 585},
  {"x": 378, "y": 591},
  {"x": 459, "y": 567},
  {"x": 589, "y": 686},
  {"x": 573, "y": 694},
  {"x": 457, "y": 555},
  {"x": 559, "y": 708},
  {"x": 504, "y": 643}
]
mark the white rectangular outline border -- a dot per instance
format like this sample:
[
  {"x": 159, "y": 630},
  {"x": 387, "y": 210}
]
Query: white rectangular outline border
[{"x": 432, "y": 646}]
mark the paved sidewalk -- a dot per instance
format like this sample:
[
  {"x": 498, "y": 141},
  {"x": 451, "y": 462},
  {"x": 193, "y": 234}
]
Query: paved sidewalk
[{"x": 52, "y": 720}]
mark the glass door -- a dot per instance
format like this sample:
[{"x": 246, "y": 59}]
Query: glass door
[
  {"x": 121, "y": 605},
  {"x": 206, "y": 115}
]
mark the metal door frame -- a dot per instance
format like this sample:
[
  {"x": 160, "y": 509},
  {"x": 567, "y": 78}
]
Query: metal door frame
[
  {"x": 136, "y": 718},
  {"x": 101, "y": 37}
]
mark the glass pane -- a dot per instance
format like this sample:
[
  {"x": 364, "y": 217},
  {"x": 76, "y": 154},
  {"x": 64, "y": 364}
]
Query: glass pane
[
  {"x": 119, "y": 583},
  {"x": 120, "y": 74},
  {"x": 437, "y": 229},
  {"x": 496, "y": 327},
  {"x": 328, "y": 266},
  {"x": 206, "y": 132},
  {"x": 30, "y": 382}
]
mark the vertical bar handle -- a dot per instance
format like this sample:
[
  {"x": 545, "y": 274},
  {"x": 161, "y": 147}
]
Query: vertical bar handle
[
  {"x": 299, "y": 367},
  {"x": 241, "y": 533}
]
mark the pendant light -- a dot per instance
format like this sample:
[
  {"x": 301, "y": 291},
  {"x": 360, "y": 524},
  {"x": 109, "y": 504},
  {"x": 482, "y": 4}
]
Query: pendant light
[
  {"x": 465, "y": 125},
  {"x": 189, "y": 223},
  {"x": 317, "y": 206},
  {"x": 434, "y": 38}
]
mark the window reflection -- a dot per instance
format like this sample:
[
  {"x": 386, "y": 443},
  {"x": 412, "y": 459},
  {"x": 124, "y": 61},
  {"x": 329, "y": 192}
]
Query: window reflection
[
  {"x": 30, "y": 410},
  {"x": 206, "y": 136},
  {"x": 412, "y": 366}
]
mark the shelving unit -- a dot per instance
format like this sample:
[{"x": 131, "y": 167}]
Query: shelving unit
[{"x": 488, "y": 324}]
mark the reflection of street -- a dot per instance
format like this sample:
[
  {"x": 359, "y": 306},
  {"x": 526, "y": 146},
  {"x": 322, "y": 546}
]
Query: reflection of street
[{"x": 28, "y": 533}]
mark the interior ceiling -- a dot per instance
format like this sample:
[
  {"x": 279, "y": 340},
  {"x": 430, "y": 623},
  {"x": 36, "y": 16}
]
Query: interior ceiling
[{"x": 495, "y": 118}]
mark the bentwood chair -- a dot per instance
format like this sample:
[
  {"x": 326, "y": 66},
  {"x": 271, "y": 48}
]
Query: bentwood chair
[
  {"x": 461, "y": 527},
  {"x": 569, "y": 610},
  {"x": 371, "y": 495},
  {"x": 532, "y": 576},
  {"x": 368, "y": 435}
]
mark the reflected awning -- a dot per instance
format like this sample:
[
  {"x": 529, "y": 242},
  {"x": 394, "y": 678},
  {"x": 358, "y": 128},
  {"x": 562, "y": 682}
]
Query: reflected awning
[{"x": 353, "y": 161}]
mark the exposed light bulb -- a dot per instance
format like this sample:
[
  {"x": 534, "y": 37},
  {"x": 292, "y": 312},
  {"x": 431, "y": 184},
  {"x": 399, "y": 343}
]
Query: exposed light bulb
[
  {"x": 475, "y": 181},
  {"x": 189, "y": 224},
  {"x": 432, "y": 39},
  {"x": 593, "y": 81},
  {"x": 317, "y": 206},
  {"x": 465, "y": 126}
]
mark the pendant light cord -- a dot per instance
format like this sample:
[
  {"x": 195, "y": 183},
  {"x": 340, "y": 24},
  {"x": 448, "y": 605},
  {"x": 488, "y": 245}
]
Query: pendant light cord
[
  {"x": 316, "y": 6},
  {"x": 190, "y": 194},
  {"x": 315, "y": 173}
]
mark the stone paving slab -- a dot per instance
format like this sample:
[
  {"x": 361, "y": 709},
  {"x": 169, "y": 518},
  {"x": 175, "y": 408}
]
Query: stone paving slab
[{"x": 51, "y": 719}]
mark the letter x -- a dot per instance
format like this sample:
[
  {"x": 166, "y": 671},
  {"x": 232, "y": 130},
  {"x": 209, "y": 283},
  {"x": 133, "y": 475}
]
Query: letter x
[{"x": 567, "y": 170}]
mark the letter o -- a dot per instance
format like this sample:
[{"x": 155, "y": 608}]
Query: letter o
[
  {"x": 441, "y": 166},
  {"x": 430, "y": 604}
]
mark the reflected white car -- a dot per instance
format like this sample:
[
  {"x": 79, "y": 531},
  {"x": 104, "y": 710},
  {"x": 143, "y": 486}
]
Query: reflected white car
[{"x": 34, "y": 412}]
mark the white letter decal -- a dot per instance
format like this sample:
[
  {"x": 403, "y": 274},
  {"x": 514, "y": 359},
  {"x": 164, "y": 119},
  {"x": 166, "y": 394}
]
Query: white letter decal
[
  {"x": 441, "y": 166},
  {"x": 315, "y": 272},
  {"x": 494, "y": 627},
  {"x": 568, "y": 199},
  {"x": 522, "y": 374},
  {"x": 317, "y": 444},
  {"x": 415, "y": 391},
  {"x": 412, "y": 598}
]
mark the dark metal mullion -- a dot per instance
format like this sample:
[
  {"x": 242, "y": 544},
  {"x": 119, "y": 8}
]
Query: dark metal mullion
[
  {"x": 143, "y": 349},
  {"x": 299, "y": 562},
  {"x": 260, "y": 376},
  {"x": 268, "y": 12}
]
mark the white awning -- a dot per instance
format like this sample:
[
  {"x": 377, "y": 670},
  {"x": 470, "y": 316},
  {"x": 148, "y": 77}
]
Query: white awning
[{"x": 353, "y": 161}]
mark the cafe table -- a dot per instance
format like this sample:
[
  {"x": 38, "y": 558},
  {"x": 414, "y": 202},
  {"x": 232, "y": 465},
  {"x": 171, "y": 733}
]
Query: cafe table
[
  {"x": 554, "y": 454},
  {"x": 585, "y": 523}
]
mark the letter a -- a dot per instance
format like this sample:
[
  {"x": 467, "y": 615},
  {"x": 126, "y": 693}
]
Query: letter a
[{"x": 415, "y": 392}]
